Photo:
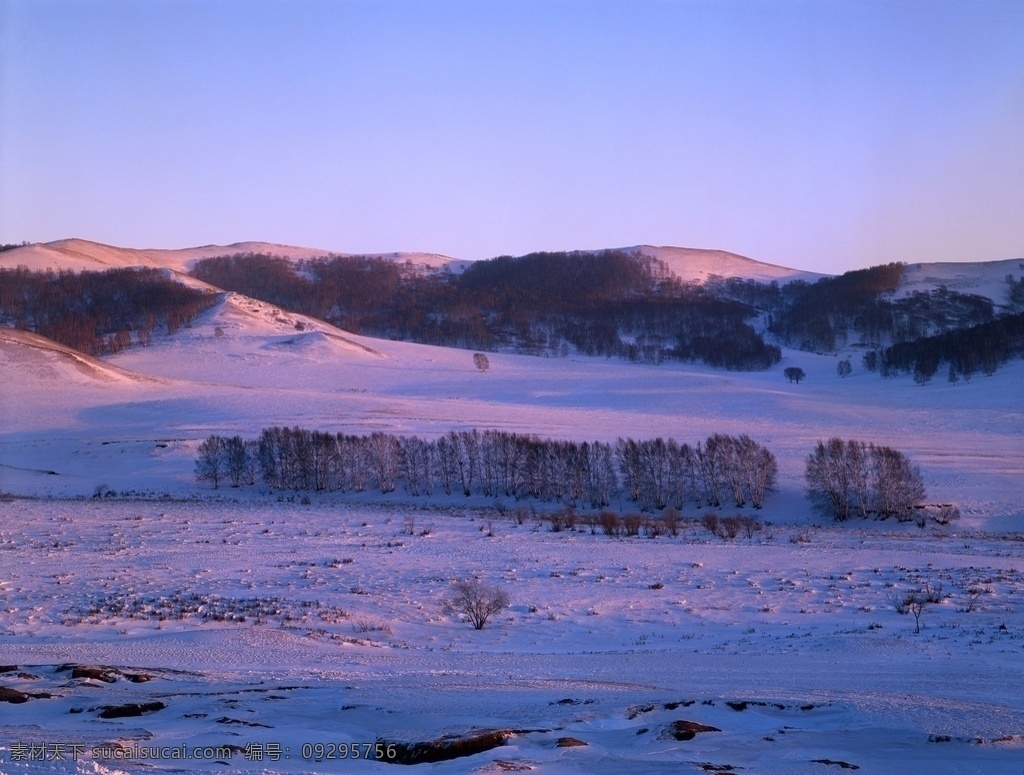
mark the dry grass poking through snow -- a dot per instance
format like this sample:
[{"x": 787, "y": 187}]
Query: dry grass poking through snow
[{"x": 354, "y": 597}]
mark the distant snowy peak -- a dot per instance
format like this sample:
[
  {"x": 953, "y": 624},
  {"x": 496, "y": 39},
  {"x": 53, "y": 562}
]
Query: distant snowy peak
[
  {"x": 83, "y": 255},
  {"x": 697, "y": 265}
]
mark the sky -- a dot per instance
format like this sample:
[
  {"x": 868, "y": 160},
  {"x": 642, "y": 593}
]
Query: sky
[{"x": 825, "y": 135}]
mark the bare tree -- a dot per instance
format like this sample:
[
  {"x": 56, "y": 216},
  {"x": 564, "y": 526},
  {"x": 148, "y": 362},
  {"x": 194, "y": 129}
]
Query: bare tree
[
  {"x": 385, "y": 454},
  {"x": 236, "y": 460},
  {"x": 794, "y": 374},
  {"x": 827, "y": 474},
  {"x": 845, "y": 478},
  {"x": 210, "y": 465},
  {"x": 476, "y": 600},
  {"x": 916, "y": 601},
  {"x": 481, "y": 362}
]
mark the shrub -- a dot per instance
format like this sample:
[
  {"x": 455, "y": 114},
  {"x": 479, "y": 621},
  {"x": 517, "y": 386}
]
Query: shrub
[
  {"x": 631, "y": 524},
  {"x": 710, "y": 523},
  {"x": 729, "y": 528},
  {"x": 609, "y": 522},
  {"x": 670, "y": 518}
]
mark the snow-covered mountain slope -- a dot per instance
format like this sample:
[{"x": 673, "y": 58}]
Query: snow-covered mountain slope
[
  {"x": 697, "y": 265},
  {"x": 985, "y": 278},
  {"x": 83, "y": 255},
  {"x": 981, "y": 278},
  {"x": 249, "y": 618}
]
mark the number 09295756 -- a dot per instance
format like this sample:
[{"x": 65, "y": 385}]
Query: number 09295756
[{"x": 329, "y": 751}]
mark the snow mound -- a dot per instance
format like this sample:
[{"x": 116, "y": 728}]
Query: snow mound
[{"x": 245, "y": 317}]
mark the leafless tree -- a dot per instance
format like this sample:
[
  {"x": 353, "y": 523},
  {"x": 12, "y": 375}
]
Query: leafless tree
[
  {"x": 476, "y": 600},
  {"x": 236, "y": 460},
  {"x": 386, "y": 455},
  {"x": 899, "y": 488},
  {"x": 210, "y": 465},
  {"x": 916, "y": 601}
]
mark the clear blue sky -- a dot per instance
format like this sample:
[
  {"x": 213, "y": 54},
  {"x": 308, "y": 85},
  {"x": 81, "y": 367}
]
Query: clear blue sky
[{"x": 826, "y": 134}]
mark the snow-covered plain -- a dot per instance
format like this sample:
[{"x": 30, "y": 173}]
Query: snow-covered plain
[{"x": 592, "y": 647}]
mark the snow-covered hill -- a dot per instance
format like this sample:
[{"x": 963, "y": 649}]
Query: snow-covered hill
[
  {"x": 980, "y": 278},
  {"x": 83, "y": 255},
  {"x": 697, "y": 265}
]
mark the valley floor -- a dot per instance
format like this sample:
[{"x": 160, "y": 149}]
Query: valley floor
[{"x": 295, "y": 631}]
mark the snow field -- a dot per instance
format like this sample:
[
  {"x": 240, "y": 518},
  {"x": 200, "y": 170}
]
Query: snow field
[{"x": 343, "y": 604}]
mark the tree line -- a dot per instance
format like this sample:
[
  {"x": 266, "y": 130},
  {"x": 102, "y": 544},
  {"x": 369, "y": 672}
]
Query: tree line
[
  {"x": 654, "y": 473},
  {"x": 98, "y": 313},
  {"x": 965, "y": 352}
]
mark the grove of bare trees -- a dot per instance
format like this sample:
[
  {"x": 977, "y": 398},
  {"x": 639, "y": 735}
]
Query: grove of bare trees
[
  {"x": 853, "y": 479},
  {"x": 654, "y": 473}
]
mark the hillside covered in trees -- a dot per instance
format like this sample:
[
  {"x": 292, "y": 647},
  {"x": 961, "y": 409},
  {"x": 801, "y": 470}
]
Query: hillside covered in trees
[
  {"x": 913, "y": 333},
  {"x": 98, "y": 313},
  {"x": 615, "y": 303},
  {"x": 626, "y": 304},
  {"x": 607, "y": 303}
]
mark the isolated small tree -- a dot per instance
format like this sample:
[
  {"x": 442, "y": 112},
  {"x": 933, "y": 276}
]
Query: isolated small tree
[
  {"x": 915, "y": 602},
  {"x": 481, "y": 362},
  {"x": 478, "y": 601},
  {"x": 844, "y": 368},
  {"x": 211, "y": 463},
  {"x": 794, "y": 374},
  {"x": 946, "y": 514}
]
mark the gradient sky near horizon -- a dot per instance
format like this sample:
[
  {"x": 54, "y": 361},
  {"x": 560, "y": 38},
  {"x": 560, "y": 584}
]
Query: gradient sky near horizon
[{"x": 820, "y": 134}]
